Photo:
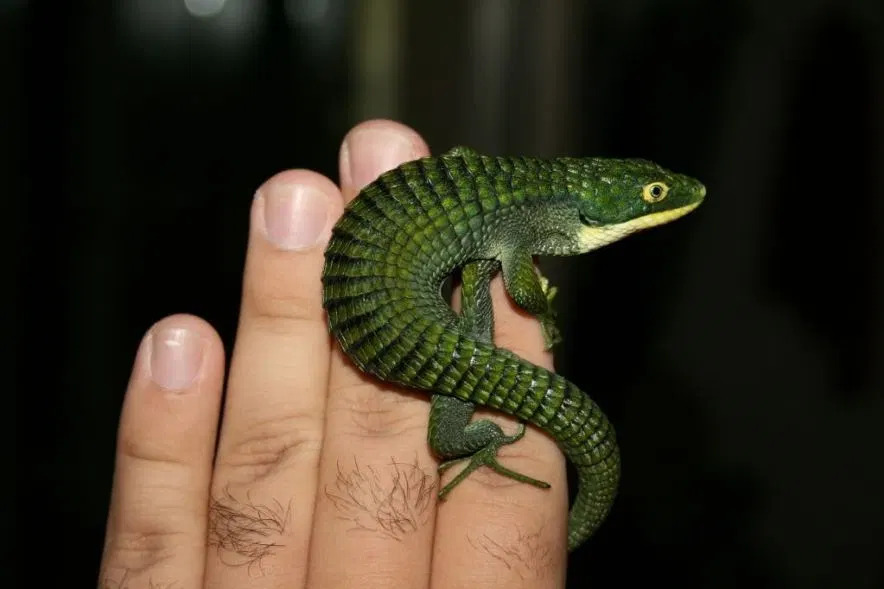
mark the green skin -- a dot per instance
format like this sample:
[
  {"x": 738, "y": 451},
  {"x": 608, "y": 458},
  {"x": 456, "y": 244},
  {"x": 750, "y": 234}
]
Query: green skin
[{"x": 417, "y": 224}]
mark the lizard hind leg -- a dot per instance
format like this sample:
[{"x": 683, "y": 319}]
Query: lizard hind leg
[
  {"x": 452, "y": 435},
  {"x": 487, "y": 456}
]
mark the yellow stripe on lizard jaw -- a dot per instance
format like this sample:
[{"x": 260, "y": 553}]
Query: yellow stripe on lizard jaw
[{"x": 594, "y": 237}]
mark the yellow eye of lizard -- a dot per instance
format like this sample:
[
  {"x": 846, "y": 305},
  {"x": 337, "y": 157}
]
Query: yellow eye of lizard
[{"x": 654, "y": 192}]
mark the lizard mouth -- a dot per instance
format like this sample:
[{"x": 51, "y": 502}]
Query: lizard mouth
[{"x": 592, "y": 237}]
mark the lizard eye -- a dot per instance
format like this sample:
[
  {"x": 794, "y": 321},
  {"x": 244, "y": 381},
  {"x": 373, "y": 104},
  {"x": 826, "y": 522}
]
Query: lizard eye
[
  {"x": 586, "y": 220},
  {"x": 654, "y": 192}
]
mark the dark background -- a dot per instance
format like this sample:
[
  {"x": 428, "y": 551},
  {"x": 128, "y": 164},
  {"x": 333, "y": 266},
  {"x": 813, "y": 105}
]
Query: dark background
[{"x": 739, "y": 352}]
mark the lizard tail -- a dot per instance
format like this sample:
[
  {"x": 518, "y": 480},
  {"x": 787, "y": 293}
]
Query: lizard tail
[
  {"x": 501, "y": 380},
  {"x": 416, "y": 344}
]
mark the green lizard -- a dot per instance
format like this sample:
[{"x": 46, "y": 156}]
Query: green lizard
[{"x": 417, "y": 224}]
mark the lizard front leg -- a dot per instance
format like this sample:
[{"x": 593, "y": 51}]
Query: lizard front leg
[
  {"x": 451, "y": 434},
  {"x": 532, "y": 292}
]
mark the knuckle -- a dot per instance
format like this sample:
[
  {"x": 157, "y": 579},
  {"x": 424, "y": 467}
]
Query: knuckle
[
  {"x": 152, "y": 451},
  {"x": 373, "y": 413},
  {"x": 274, "y": 295},
  {"x": 285, "y": 328},
  {"x": 138, "y": 550},
  {"x": 272, "y": 444},
  {"x": 291, "y": 308}
]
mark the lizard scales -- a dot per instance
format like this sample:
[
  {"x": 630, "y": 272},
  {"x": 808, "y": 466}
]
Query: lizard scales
[{"x": 416, "y": 224}]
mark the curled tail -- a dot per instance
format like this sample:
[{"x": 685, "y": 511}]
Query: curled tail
[
  {"x": 412, "y": 340},
  {"x": 499, "y": 379}
]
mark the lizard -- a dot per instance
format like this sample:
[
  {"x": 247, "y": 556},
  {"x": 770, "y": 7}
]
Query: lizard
[{"x": 462, "y": 211}]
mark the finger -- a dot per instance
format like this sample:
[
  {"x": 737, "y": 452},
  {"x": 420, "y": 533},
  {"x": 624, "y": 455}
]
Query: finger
[
  {"x": 157, "y": 523},
  {"x": 493, "y": 531},
  {"x": 265, "y": 479},
  {"x": 374, "y": 147},
  {"x": 375, "y": 507}
]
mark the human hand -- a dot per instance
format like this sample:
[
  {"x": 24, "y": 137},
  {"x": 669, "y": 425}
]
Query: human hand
[{"x": 322, "y": 475}]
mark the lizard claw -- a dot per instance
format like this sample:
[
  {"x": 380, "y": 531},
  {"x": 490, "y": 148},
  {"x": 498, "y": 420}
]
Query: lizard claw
[
  {"x": 487, "y": 456},
  {"x": 551, "y": 333}
]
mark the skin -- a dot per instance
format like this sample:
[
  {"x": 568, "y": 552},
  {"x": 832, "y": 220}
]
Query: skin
[{"x": 296, "y": 413}]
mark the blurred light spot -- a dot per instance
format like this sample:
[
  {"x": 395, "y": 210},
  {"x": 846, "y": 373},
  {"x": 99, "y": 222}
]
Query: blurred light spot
[
  {"x": 306, "y": 12},
  {"x": 204, "y": 8},
  {"x": 217, "y": 31}
]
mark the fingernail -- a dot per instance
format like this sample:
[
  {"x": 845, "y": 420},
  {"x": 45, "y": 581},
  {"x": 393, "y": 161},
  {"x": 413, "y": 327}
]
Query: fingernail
[
  {"x": 176, "y": 355},
  {"x": 295, "y": 215},
  {"x": 377, "y": 150}
]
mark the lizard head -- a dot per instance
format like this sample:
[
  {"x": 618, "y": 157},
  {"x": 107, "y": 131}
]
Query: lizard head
[{"x": 617, "y": 197}]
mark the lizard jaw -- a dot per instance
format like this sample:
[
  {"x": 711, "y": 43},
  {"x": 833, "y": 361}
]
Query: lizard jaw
[{"x": 593, "y": 237}]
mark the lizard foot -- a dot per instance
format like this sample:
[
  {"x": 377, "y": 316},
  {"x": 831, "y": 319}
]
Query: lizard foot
[
  {"x": 551, "y": 333},
  {"x": 487, "y": 456}
]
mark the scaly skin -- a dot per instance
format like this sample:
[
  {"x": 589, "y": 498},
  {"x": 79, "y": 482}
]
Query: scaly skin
[{"x": 417, "y": 224}]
